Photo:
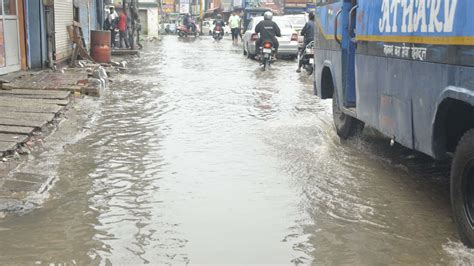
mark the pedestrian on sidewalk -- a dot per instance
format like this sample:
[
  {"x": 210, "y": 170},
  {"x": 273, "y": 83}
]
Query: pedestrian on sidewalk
[
  {"x": 111, "y": 24},
  {"x": 234, "y": 23},
  {"x": 122, "y": 26}
]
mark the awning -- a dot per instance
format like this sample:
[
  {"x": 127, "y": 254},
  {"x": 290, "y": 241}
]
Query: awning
[{"x": 213, "y": 11}]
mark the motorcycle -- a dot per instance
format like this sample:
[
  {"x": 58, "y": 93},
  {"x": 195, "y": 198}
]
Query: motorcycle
[
  {"x": 217, "y": 33},
  {"x": 266, "y": 55},
  {"x": 183, "y": 31},
  {"x": 307, "y": 58}
]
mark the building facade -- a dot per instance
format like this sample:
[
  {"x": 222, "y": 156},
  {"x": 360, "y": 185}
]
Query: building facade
[
  {"x": 148, "y": 11},
  {"x": 42, "y": 35},
  {"x": 10, "y": 42}
]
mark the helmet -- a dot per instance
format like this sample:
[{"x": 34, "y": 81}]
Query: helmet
[
  {"x": 219, "y": 16},
  {"x": 268, "y": 15}
]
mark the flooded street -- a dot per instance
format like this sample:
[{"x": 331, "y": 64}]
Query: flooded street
[{"x": 197, "y": 156}]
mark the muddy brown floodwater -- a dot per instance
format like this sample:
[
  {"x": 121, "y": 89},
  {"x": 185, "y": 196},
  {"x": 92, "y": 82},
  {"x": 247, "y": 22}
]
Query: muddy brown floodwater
[{"x": 196, "y": 156}]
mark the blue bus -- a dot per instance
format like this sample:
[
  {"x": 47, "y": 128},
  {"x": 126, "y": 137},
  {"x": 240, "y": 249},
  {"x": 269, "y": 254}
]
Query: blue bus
[{"x": 405, "y": 68}]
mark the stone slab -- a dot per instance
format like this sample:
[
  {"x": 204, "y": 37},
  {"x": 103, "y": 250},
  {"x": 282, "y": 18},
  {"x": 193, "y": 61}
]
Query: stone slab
[
  {"x": 27, "y": 104},
  {"x": 48, "y": 81},
  {"x": 16, "y": 130},
  {"x": 40, "y": 94},
  {"x": 28, "y": 116},
  {"x": 13, "y": 138},
  {"x": 14, "y": 76},
  {"x": 7, "y": 146},
  {"x": 22, "y": 101},
  {"x": 49, "y": 108},
  {"x": 23, "y": 122}
]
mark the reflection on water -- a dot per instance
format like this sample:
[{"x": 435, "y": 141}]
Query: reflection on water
[{"x": 197, "y": 156}]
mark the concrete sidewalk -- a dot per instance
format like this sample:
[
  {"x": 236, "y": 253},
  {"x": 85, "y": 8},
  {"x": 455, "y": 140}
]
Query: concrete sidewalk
[{"x": 31, "y": 106}]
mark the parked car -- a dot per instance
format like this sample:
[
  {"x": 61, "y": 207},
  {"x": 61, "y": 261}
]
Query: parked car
[
  {"x": 170, "y": 28},
  {"x": 206, "y": 27},
  {"x": 288, "y": 40},
  {"x": 298, "y": 21}
]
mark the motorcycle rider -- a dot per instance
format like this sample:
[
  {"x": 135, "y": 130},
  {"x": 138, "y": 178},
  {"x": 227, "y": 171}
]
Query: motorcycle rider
[
  {"x": 308, "y": 33},
  {"x": 219, "y": 22},
  {"x": 268, "y": 30},
  {"x": 188, "y": 23}
]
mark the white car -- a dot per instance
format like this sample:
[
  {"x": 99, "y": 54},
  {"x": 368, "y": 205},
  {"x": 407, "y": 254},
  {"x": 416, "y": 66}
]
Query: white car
[
  {"x": 206, "y": 27},
  {"x": 298, "y": 21},
  {"x": 288, "y": 41}
]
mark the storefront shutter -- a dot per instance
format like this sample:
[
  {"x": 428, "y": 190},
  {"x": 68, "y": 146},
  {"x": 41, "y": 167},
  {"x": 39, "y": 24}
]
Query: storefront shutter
[{"x": 63, "y": 17}]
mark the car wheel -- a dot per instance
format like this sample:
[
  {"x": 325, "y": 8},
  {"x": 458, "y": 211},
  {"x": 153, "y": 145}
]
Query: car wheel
[
  {"x": 462, "y": 188},
  {"x": 346, "y": 125}
]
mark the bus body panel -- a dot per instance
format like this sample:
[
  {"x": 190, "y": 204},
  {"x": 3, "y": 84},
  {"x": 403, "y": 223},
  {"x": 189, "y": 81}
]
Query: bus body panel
[
  {"x": 329, "y": 52},
  {"x": 417, "y": 94},
  {"x": 410, "y": 56}
]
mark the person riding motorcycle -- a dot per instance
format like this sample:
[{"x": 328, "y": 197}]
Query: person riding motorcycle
[
  {"x": 189, "y": 23},
  {"x": 308, "y": 33},
  {"x": 268, "y": 30},
  {"x": 219, "y": 22}
]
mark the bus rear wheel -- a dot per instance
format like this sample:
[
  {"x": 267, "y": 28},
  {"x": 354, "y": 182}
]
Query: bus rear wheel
[
  {"x": 346, "y": 125},
  {"x": 462, "y": 188}
]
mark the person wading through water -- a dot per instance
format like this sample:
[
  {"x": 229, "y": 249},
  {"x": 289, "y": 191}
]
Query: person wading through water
[{"x": 234, "y": 24}]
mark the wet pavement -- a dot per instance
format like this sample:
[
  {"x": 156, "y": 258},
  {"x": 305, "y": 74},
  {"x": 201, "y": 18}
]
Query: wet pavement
[{"x": 197, "y": 156}]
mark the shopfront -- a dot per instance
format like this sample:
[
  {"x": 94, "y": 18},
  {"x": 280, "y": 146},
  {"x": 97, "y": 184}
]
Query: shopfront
[{"x": 9, "y": 37}]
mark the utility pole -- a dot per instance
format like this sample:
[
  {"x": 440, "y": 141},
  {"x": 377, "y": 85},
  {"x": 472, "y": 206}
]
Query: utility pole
[
  {"x": 202, "y": 10},
  {"x": 201, "y": 13}
]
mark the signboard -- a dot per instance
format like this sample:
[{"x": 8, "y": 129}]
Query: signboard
[
  {"x": 295, "y": 2},
  {"x": 252, "y": 3},
  {"x": 303, "y": 5},
  {"x": 168, "y": 8},
  {"x": 226, "y": 5},
  {"x": 238, "y": 3},
  {"x": 183, "y": 8}
]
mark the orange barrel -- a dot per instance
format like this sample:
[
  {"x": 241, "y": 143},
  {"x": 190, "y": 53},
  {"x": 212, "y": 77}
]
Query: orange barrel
[{"x": 100, "y": 46}]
